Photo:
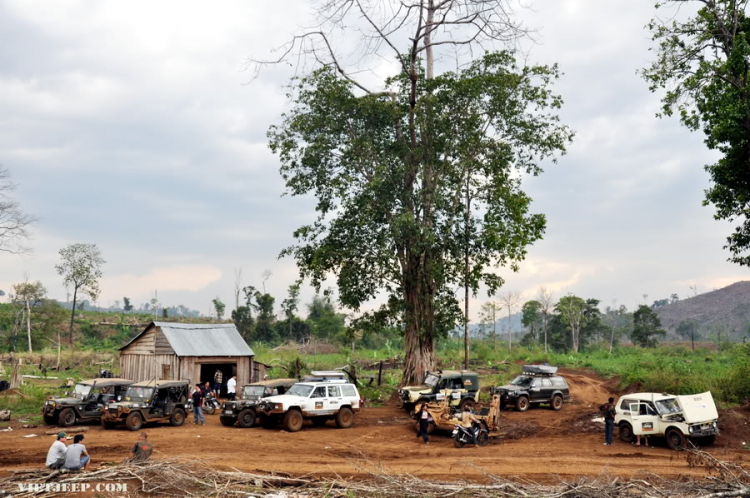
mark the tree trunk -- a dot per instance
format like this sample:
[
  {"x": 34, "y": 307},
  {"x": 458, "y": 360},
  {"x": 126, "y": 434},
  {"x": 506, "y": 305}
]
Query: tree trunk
[
  {"x": 612, "y": 340},
  {"x": 15, "y": 373},
  {"x": 466, "y": 272},
  {"x": 72, "y": 316},
  {"x": 545, "y": 333},
  {"x": 419, "y": 336},
  {"x": 28, "y": 324},
  {"x": 692, "y": 340},
  {"x": 59, "y": 348},
  {"x": 510, "y": 333}
]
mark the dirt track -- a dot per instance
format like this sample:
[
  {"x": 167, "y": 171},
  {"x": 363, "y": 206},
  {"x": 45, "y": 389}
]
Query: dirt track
[{"x": 547, "y": 444}]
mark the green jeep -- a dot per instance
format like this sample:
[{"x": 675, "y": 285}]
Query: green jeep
[
  {"x": 88, "y": 400},
  {"x": 243, "y": 410},
  {"x": 459, "y": 387}
]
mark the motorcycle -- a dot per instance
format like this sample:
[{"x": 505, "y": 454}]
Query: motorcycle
[
  {"x": 211, "y": 404},
  {"x": 478, "y": 435}
]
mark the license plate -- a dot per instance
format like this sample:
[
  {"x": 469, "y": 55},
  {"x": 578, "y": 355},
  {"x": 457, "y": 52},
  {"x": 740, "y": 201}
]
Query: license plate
[{"x": 228, "y": 412}]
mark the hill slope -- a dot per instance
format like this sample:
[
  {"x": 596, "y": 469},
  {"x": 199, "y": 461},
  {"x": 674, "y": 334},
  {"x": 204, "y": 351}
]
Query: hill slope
[{"x": 726, "y": 309}]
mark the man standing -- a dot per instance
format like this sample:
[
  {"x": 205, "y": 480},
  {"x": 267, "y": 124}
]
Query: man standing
[
  {"x": 198, "y": 405},
  {"x": 77, "y": 458},
  {"x": 142, "y": 449},
  {"x": 218, "y": 378},
  {"x": 608, "y": 410},
  {"x": 232, "y": 388},
  {"x": 56, "y": 453}
]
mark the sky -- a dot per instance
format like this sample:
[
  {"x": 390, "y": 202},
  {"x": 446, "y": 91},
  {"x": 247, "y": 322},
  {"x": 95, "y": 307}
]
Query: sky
[{"x": 136, "y": 126}]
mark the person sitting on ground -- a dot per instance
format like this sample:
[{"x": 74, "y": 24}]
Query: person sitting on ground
[
  {"x": 142, "y": 449},
  {"x": 56, "y": 453},
  {"x": 77, "y": 458}
]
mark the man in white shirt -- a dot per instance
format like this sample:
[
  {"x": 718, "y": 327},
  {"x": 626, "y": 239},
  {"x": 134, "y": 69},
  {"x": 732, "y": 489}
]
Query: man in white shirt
[
  {"x": 56, "y": 453},
  {"x": 232, "y": 388}
]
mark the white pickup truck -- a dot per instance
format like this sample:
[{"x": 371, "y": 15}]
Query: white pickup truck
[
  {"x": 677, "y": 418},
  {"x": 318, "y": 401}
]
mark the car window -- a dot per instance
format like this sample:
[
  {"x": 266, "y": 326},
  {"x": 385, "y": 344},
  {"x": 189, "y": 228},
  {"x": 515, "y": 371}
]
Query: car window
[
  {"x": 536, "y": 383},
  {"x": 320, "y": 392},
  {"x": 443, "y": 384},
  {"x": 333, "y": 391},
  {"x": 348, "y": 390},
  {"x": 558, "y": 382},
  {"x": 625, "y": 404},
  {"x": 546, "y": 383},
  {"x": 646, "y": 409}
]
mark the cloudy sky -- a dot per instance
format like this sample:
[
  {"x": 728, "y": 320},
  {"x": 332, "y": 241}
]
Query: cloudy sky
[{"x": 132, "y": 125}]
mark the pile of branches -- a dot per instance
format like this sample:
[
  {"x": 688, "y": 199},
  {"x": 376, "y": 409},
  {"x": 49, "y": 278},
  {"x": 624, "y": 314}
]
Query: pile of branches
[{"x": 171, "y": 477}]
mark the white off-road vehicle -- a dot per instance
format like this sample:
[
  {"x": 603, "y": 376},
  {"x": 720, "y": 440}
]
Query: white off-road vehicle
[
  {"x": 677, "y": 418},
  {"x": 323, "y": 398}
]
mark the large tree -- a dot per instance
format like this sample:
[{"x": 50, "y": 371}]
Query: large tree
[
  {"x": 572, "y": 310},
  {"x": 387, "y": 172},
  {"x": 81, "y": 268},
  {"x": 646, "y": 327},
  {"x": 30, "y": 294},
  {"x": 703, "y": 65},
  {"x": 391, "y": 167}
]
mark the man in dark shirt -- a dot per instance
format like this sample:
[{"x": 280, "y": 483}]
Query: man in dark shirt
[
  {"x": 608, "y": 410},
  {"x": 142, "y": 449},
  {"x": 198, "y": 405}
]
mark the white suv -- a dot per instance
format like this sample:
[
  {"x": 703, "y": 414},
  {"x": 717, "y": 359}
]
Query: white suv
[
  {"x": 675, "y": 417},
  {"x": 316, "y": 401}
]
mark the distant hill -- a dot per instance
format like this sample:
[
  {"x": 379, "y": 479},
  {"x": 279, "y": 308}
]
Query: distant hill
[{"x": 726, "y": 310}]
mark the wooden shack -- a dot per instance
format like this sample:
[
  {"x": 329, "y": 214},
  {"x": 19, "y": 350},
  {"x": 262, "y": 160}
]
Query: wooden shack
[{"x": 188, "y": 351}]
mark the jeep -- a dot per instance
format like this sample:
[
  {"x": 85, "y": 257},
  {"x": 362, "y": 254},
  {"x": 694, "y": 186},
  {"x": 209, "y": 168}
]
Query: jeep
[
  {"x": 459, "y": 388},
  {"x": 677, "y": 418},
  {"x": 86, "y": 403},
  {"x": 150, "y": 401},
  {"x": 318, "y": 402},
  {"x": 537, "y": 384},
  {"x": 242, "y": 411}
]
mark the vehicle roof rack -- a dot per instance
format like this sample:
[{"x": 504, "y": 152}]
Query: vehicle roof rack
[
  {"x": 325, "y": 376},
  {"x": 539, "y": 370}
]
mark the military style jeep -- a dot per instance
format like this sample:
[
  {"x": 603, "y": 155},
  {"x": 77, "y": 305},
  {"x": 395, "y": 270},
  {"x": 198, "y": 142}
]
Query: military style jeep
[
  {"x": 86, "y": 403},
  {"x": 315, "y": 401},
  {"x": 459, "y": 388},
  {"x": 149, "y": 401},
  {"x": 243, "y": 410},
  {"x": 537, "y": 384}
]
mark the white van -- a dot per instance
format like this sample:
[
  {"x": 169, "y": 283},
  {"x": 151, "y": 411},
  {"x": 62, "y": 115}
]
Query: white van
[{"x": 677, "y": 418}]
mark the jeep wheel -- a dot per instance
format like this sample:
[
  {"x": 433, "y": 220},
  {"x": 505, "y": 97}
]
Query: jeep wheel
[
  {"x": 246, "y": 418},
  {"x": 177, "y": 418},
  {"x": 675, "y": 439},
  {"x": 522, "y": 404},
  {"x": 50, "y": 420},
  {"x": 134, "y": 421},
  {"x": 625, "y": 432},
  {"x": 344, "y": 418},
  {"x": 557, "y": 402},
  {"x": 293, "y": 420},
  {"x": 66, "y": 418},
  {"x": 467, "y": 402}
]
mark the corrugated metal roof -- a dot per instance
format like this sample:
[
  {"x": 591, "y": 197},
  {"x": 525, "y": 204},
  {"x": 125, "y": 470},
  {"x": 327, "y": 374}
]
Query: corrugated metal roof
[{"x": 202, "y": 339}]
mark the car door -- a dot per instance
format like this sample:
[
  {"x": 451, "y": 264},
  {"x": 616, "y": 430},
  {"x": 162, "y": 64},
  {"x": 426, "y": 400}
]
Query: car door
[
  {"x": 547, "y": 389},
  {"x": 335, "y": 398},
  {"x": 535, "y": 391},
  {"x": 318, "y": 399},
  {"x": 645, "y": 420}
]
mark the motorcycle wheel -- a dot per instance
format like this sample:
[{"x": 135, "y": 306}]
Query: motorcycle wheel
[
  {"x": 210, "y": 409},
  {"x": 458, "y": 442},
  {"x": 483, "y": 439}
]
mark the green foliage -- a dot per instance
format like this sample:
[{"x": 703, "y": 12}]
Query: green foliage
[
  {"x": 646, "y": 327},
  {"x": 387, "y": 171},
  {"x": 127, "y": 307},
  {"x": 531, "y": 317},
  {"x": 219, "y": 307},
  {"x": 702, "y": 64}
]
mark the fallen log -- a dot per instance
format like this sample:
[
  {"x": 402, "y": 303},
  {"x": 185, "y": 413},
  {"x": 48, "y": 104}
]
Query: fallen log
[{"x": 70, "y": 430}]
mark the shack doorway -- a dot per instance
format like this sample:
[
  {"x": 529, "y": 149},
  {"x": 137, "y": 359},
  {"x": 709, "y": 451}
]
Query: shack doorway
[{"x": 209, "y": 369}]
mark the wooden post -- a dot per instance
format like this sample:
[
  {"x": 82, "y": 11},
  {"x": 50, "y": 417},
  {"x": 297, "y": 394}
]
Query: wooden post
[{"x": 380, "y": 372}]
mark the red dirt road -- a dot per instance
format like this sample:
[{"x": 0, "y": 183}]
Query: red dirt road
[{"x": 547, "y": 446}]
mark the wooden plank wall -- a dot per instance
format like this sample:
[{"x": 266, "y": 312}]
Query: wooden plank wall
[
  {"x": 143, "y": 345},
  {"x": 138, "y": 367}
]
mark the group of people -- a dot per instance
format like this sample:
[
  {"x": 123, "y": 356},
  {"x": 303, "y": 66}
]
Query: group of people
[
  {"x": 202, "y": 391},
  {"x": 76, "y": 456}
]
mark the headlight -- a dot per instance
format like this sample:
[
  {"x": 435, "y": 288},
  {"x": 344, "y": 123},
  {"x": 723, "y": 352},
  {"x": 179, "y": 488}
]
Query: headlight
[
  {"x": 692, "y": 428},
  {"x": 278, "y": 406}
]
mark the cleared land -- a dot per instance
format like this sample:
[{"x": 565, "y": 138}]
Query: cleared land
[{"x": 544, "y": 446}]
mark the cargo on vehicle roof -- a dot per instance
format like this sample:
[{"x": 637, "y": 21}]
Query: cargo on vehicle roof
[{"x": 539, "y": 370}]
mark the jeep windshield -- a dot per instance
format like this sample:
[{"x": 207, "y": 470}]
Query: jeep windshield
[
  {"x": 300, "y": 390},
  {"x": 431, "y": 380},
  {"x": 253, "y": 392},
  {"x": 81, "y": 391},
  {"x": 138, "y": 393},
  {"x": 667, "y": 406},
  {"x": 521, "y": 380}
]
